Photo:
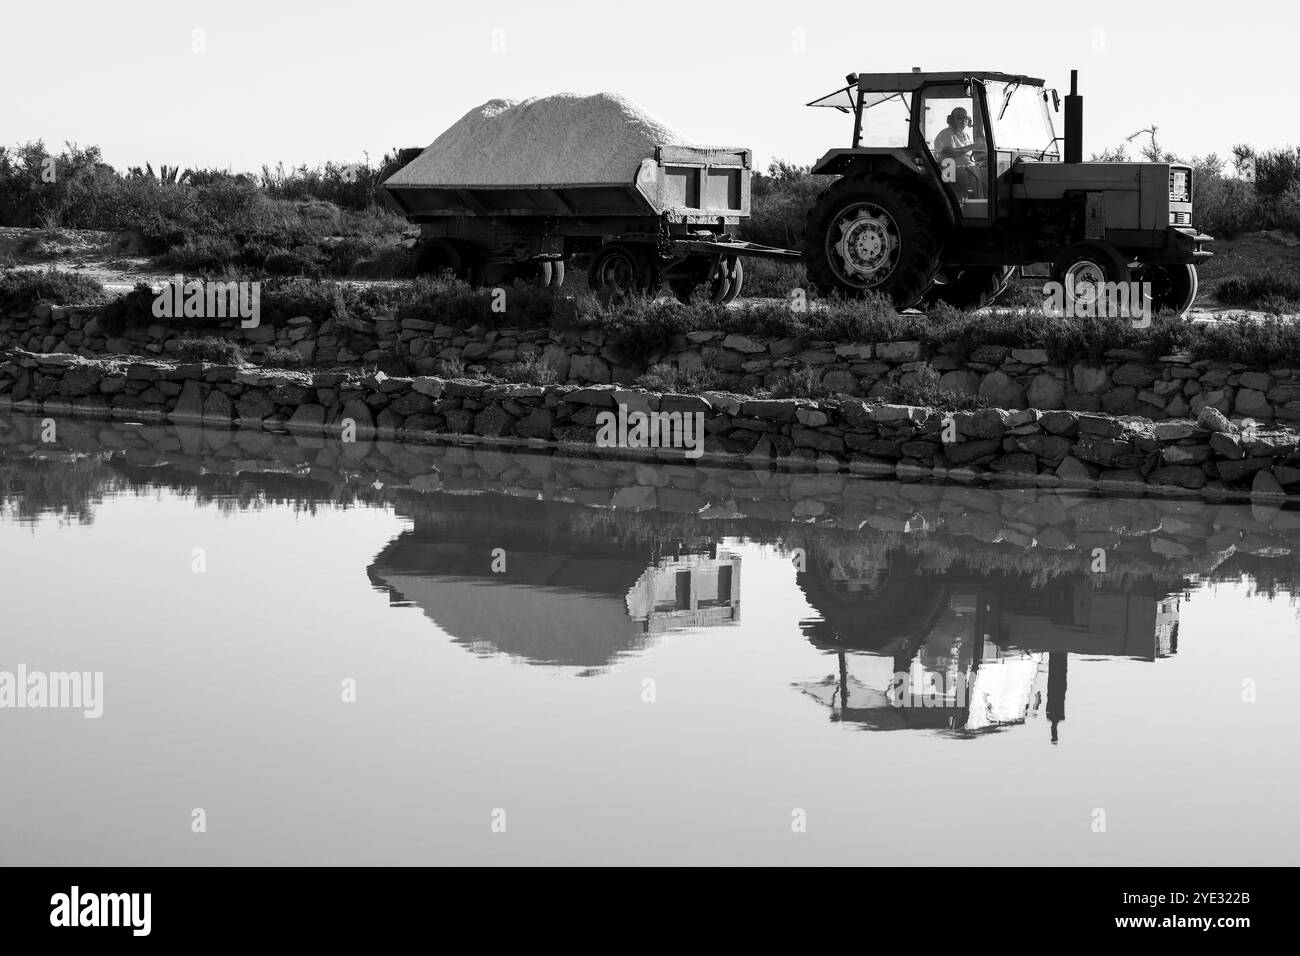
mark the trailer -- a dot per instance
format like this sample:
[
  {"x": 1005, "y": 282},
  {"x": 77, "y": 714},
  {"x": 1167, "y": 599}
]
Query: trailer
[{"x": 669, "y": 221}]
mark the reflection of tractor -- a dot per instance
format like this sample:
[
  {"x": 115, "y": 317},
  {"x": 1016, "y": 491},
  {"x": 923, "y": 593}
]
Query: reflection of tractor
[
  {"x": 894, "y": 605},
  {"x": 921, "y": 220}
]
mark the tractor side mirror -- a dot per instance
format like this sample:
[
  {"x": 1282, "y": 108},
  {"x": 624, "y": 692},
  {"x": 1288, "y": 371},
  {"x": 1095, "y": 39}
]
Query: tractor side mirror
[{"x": 1056, "y": 101}]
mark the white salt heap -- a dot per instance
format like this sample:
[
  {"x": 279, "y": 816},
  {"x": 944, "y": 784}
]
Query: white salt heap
[{"x": 563, "y": 139}]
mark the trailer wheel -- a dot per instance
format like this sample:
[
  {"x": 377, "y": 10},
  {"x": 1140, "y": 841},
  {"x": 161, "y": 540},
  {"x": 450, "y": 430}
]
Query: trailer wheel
[
  {"x": 1173, "y": 287},
  {"x": 437, "y": 255},
  {"x": 723, "y": 280},
  {"x": 1082, "y": 268},
  {"x": 871, "y": 234},
  {"x": 735, "y": 280},
  {"x": 620, "y": 270},
  {"x": 970, "y": 288},
  {"x": 547, "y": 273}
]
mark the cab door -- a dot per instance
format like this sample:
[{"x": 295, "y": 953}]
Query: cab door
[{"x": 955, "y": 112}]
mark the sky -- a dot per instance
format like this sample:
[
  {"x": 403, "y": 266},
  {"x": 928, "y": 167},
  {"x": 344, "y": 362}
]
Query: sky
[{"x": 235, "y": 84}]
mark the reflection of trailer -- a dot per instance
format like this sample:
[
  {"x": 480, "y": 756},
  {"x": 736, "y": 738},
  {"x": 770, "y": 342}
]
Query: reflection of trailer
[{"x": 668, "y": 223}]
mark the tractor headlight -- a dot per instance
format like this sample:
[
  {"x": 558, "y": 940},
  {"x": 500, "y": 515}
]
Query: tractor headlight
[{"x": 1180, "y": 185}]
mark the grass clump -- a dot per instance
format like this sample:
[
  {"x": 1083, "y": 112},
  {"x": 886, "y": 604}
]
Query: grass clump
[
  {"x": 664, "y": 377},
  {"x": 925, "y": 390},
  {"x": 277, "y": 357},
  {"x": 533, "y": 370},
  {"x": 210, "y": 348},
  {"x": 799, "y": 383}
]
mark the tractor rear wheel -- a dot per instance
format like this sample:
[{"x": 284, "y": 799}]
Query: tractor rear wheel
[
  {"x": 972, "y": 287},
  {"x": 1081, "y": 269},
  {"x": 871, "y": 234},
  {"x": 1173, "y": 287}
]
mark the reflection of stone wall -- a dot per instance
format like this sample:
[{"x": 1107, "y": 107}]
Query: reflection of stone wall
[
  {"x": 847, "y": 524},
  {"x": 1125, "y": 383},
  {"x": 1078, "y": 448}
]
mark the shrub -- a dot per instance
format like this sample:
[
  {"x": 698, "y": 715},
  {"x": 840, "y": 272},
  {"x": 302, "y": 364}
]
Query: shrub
[
  {"x": 924, "y": 389},
  {"x": 670, "y": 378},
  {"x": 20, "y": 291},
  {"x": 390, "y": 262},
  {"x": 210, "y": 348},
  {"x": 1276, "y": 171},
  {"x": 779, "y": 202},
  {"x": 531, "y": 371},
  {"x": 201, "y": 254},
  {"x": 774, "y": 279},
  {"x": 282, "y": 358},
  {"x": 1260, "y": 291},
  {"x": 302, "y": 261},
  {"x": 800, "y": 383},
  {"x": 449, "y": 368},
  {"x": 132, "y": 310}
]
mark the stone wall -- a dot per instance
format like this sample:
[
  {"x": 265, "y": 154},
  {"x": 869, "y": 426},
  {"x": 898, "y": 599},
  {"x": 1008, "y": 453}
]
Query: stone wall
[
  {"x": 1125, "y": 383},
  {"x": 1210, "y": 455}
]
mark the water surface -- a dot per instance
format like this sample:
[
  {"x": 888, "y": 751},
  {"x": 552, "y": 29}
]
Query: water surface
[{"x": 628, "y": 663}]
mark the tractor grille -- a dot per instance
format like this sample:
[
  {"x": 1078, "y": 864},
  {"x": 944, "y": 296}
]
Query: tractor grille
[
  {"x": 1180, "y": 218},
  {"x": 1180, "y": 184}
]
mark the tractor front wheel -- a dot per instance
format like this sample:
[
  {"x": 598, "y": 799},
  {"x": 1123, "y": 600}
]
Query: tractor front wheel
[
  {"x": 871, "y": 234},
  {"x": 1081, "y": 272}
]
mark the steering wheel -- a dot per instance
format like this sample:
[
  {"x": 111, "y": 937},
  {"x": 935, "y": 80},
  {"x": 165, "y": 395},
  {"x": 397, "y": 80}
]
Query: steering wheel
[{"x": 979, "y": 155}]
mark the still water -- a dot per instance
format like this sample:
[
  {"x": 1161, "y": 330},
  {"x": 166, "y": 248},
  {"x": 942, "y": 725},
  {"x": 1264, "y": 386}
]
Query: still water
[{"x": 399, "y": 654}]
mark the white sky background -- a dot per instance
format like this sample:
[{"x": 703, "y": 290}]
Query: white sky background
[{"x": 328, "y": 80}]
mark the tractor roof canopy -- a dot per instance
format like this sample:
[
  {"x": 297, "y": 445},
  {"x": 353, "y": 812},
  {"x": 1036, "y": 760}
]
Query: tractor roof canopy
[
  {"x": 904, "y": 82},
  {"x": 877, "y": 87}
]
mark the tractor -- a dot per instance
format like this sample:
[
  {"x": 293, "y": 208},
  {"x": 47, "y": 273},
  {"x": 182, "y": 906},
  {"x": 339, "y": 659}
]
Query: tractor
[{"x": 955, "y": 180}]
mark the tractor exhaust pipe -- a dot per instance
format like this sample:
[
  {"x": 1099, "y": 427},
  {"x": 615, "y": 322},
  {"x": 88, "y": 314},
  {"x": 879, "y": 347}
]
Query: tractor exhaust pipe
[{"x": 1074, "y": 121}]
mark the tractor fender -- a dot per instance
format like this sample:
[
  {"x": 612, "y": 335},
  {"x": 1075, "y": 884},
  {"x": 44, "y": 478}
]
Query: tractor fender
[
  {"x": 899, "y": 163},
  {"x": 888, "y": 161}
]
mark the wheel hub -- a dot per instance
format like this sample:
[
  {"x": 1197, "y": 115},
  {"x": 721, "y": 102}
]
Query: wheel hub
[
  {"x": 868, "y": 243},
  {"x": 1083, "y": 282}
]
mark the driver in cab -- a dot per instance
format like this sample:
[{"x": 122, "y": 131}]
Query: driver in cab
[{"x": 955, "y": 142}]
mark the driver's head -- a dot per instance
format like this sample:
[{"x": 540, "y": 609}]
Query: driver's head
[{"x": 959, "y": 119}]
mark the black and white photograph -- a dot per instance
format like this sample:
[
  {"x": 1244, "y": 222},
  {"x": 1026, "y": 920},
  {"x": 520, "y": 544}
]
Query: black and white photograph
[{"x": 673, "y": 435}]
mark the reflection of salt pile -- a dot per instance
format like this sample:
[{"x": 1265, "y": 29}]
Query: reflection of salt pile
[{"x": 563, "y": 139}]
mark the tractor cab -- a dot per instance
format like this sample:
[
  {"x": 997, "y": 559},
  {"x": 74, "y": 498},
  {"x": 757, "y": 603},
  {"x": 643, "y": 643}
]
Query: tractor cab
[{"x": 968, "y": 128}]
